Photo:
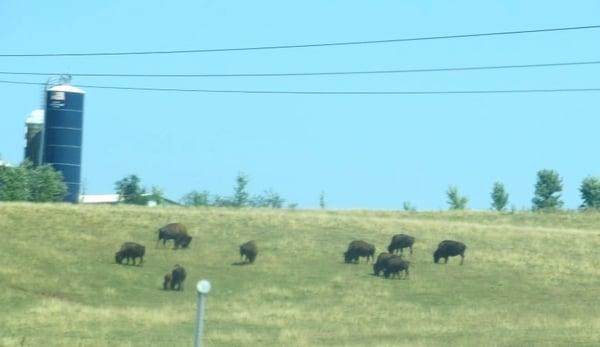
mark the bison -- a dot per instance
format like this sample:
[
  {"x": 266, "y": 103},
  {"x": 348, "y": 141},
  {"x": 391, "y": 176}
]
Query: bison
[
  {"x": 394, "y": 266},
  {"x": 130, "y": 250},
  {"x": 176, "y": 278},
  {"x": 381, "y": 262},
  {"x": 449, "y": 248},
  {"x": 401, "y": 241},
  {"x": 176, "y": 232},
  {"x": 249, "y": 250},
  {"x": 167, "y": 280},
  {"x": 357, "y": 249}
]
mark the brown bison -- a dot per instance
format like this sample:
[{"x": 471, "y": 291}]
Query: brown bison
[
  {"x": 174, "y": 279},
  {"x": 394, "y": 266},
  {"x": 167, "y": 280},
  {"x": 357, "y": 249},
  {"x": 176, "y": 232},
  {"x": 401, "y": 241},
  {"x": 130, "y": 250},
  {"x": 449, "y": 248},
  {"x": 249, "y": 250},
  {"x": 381, "y": 262}
]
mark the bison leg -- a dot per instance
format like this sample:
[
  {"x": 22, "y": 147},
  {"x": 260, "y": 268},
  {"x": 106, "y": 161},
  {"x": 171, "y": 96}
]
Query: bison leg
[
  {"x": 406, "y": 274},
  {"x": 462, "y": 259},
  {"x": 446, "y": 260},
  {"x": 411, "y": 250}
]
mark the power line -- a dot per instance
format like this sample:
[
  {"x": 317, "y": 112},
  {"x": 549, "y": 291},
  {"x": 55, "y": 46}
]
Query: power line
[
  {"x": 308, "y": 45},
  {"x": 312, "y": 92},
  {"x": 291, "y": 74}
]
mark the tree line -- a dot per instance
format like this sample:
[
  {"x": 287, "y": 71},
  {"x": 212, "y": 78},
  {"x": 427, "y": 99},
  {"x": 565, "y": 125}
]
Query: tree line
[
  {"x": 131, "y": 192},
  {"x": 547, "y": 194},
  {"x": 27, "y": 182}
]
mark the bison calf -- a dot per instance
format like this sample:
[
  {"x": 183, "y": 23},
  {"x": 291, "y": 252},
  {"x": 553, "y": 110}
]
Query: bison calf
[
  {"x": 176, "y": 232},
  {"x": 449, "y": 248},
  {"x": 177, "y": 277},
  {"x": 394, "y": 266},
  {"x": 130, "y": 250},
  {"x": 249, "y": 250},
  {"x": 401, "y": 241},
  {"x": 167, "y": 281},
  {"x": 359, "y": 248}
]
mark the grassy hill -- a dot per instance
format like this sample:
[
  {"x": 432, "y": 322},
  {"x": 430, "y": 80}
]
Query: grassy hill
[{"x": 528, "y": 279}]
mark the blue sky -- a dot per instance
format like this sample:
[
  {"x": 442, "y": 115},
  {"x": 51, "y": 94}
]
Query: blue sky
[{"x": 364, "y": 151}]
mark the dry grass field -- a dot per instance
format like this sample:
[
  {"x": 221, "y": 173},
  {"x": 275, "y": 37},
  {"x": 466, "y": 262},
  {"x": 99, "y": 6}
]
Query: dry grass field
[{"x": 528, "y": 279}]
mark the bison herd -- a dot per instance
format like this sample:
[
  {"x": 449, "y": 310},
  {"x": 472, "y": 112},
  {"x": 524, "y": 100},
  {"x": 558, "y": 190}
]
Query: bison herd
[
  {"x": 173, "y": 280},
  {"x": 390, "y": 263}
]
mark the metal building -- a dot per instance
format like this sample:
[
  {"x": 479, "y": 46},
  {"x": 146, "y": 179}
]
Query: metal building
[
  {"x": 34, "y": 127},
  {"x": 63, "y": 135}
]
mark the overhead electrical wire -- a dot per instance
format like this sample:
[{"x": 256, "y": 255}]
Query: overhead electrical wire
[
  {"x": 312, "y": 92},
  {"x": 307, "y": 45},
  {"x": 291, "y": 74}
]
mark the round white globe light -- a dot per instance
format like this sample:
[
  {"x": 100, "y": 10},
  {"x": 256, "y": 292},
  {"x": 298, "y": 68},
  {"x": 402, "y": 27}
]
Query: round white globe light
[{"x": 203, "y": 287}]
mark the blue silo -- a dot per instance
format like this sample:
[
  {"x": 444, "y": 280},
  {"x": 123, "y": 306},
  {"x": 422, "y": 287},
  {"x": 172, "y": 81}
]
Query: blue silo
[{"x": 63, "y": 135}]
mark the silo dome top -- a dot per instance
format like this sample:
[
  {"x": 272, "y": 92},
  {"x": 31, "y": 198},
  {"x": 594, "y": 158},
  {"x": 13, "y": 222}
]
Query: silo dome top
[
  {"x": 66, "y": 88},
  {"x": 36, "y": 117}
]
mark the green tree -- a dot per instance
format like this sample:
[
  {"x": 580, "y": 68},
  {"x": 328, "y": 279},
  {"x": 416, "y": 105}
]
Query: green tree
[
  {"x": 14, "y": 182},
  {"x": 322, "y": 203},
  {"x": 195, "y": 198},
  {"x": 46, "y": 184},
  {"x": 157, "y": 195},
  {"x": 499, "y": 197},
  {"x": 223, "y": 201},
  {"x": 240, "y": 194},
  {"x": 130, "y": 191},
  {"x": 407, "y": 206},
  {"x": 455, "y": 201},
  {"x": 272, "y": 199},
  {"x": 590, "y": 192},
  {"x": 29, "y": 183},
  {"x": 547, "y": 191}
]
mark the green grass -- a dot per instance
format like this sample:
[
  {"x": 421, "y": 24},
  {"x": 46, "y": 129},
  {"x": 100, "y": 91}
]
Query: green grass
[{"x": 528, "y": 279}]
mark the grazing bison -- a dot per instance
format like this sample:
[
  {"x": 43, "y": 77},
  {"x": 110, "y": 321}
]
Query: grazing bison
[
  {"x": 176, "y": 232},
  {"x": 249, "y": 250},
  {"x": 401, "y": 241},
  {"x": 448, "y": 248},
  {"x": 357, "y": 249},
  {"x": 394, "y": 266},
  {"x": 381, "y": 262},
  {"x": 167, "y": 281},
  {"x": 130, "y": 250},
  {"x": 177, "y": 277}
]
